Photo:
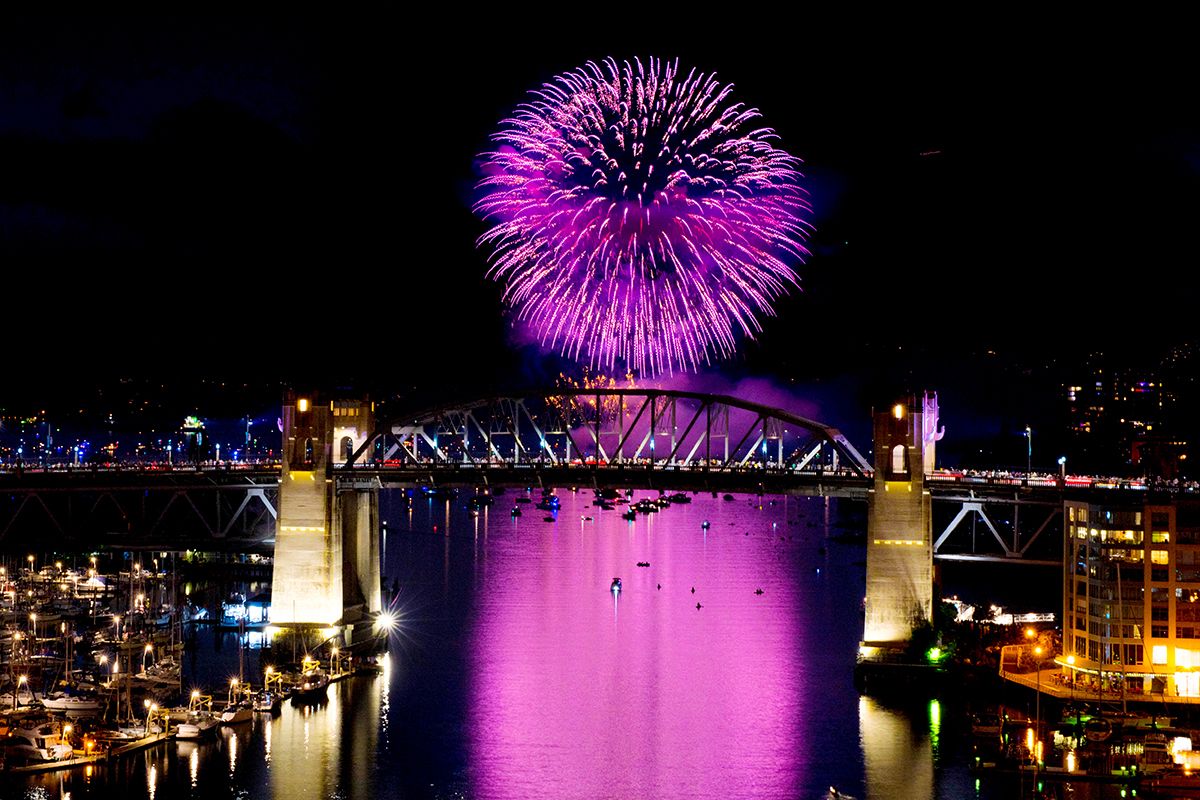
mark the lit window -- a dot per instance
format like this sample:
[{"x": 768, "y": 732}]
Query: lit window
[
  {"x": 1187, "y": 658},
  {"x": 898, "y": 465},
  {"x": 1159, "y": 537},
  {"x": 1158, "y": 654},
  {"x": 1187, "y": 684},
  {"x": 1159, "y": 557}
]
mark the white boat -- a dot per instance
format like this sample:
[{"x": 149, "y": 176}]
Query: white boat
[
  {"x": 236, "y": 713},
  {"x": 197, "y": 726},
  {"x": 38, "y": 744},
  {"x": 71, "y": 702}
]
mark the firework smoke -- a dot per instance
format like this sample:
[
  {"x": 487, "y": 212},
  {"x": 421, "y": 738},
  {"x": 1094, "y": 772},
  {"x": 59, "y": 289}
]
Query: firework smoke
[{"x": 639, "y": 220}]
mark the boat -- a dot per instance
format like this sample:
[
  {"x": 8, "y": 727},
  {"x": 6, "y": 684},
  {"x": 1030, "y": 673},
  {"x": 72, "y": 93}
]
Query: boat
[
  {"x": 237, "y": 713},
  {"x": 60, "y": 701},
  {"x": 629, "y": 515},
  {"x": 312, "y": 683},
  {"x": 516, "y": 512},
  {"x": 1156, "y": 756},
  {"x": 549, "y": 503},
  {"x": 40, "y": 744},
  {"x": 197, "y": 725},
  {"x": 267, "y": 702},
  {"x": 986, "y": 725},
  {"x": 616, "y": 585},
  {"x": 166, "y": 671},
  {"x": 680, "y": 497}
]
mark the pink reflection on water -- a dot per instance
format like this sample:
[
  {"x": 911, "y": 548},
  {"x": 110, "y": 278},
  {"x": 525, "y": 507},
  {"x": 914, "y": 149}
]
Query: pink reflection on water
[{"x": 573, "y": 697}]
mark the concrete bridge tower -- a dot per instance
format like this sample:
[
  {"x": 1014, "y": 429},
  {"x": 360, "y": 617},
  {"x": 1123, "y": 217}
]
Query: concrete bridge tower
[
  {"x": 900, "y": 523},
  {"x": 326, "y": 537}
]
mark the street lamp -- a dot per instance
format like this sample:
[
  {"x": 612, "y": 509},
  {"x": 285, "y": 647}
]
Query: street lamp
[
  {"x": 1062, "y": 468},
  {"x": 20, "y": 682},
  {"x": 1037, "y": 651},
  {"x": 147, "y": 651}
]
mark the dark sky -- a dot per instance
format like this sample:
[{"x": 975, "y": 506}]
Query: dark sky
[{"x": 254, "y": 196}]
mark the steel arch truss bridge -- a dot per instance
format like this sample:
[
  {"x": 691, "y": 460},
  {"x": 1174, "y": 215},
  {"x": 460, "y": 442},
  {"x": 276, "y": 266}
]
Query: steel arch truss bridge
[
  {"x": 149, "y": 508},
  {"x": 609, "y": 430}
]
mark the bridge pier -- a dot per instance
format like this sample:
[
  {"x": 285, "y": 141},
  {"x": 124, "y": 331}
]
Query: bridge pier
[
  {"x": 900, "y": 524},
  {"x": 327, "y": 537}
]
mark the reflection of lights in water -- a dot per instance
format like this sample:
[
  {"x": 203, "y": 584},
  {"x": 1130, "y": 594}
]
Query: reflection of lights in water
[
  {"x": 152, "y": 781},
  {"x": 87, "y": 773},
  {"x": 1029, "y": 739},
  {"x": 898, "y": 760},
  {"x": 935, "y": 727},
  {"x": 233, "y": 744},
  {"x": 194, "y": 764},
  {"x": 385, "y": 705},
  {"x": 267, "y": 740},
  {"x": 1070, "y": 761}
]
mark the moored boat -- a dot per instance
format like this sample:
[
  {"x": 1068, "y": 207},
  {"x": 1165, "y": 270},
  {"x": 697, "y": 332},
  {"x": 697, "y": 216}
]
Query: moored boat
[
  {"x": 236, "y": 713},
  {"x": 312, "y": 683},
  {"x": 71, "y": 702},
  {"x": 267, "y": 702}
]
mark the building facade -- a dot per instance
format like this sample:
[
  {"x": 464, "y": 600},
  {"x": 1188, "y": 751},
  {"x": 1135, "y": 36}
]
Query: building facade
[{"x": 1131, "y": 596}]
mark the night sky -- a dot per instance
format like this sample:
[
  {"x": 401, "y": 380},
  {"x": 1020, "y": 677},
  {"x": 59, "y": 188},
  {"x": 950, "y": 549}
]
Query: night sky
[{"x": 184, "y": 196}]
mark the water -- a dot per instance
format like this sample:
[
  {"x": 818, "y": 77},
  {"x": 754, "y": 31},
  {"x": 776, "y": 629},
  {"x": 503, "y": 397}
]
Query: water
[{"x": 517, "y": 673}]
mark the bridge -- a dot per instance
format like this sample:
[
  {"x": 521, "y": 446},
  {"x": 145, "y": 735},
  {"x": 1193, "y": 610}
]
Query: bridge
[{"x": 320, "y": 503}]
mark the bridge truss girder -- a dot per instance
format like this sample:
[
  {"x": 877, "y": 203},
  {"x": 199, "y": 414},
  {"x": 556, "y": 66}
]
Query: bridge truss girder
[
  {"x": 611, "y": 427},
  {"x": 149, "y": 512},
  {"x": 1002, "y": 526}
]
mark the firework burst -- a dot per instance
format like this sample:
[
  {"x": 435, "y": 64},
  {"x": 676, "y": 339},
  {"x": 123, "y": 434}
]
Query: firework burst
[{"x": 640, "y": 219}]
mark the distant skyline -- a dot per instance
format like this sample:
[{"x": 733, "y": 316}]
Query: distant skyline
[{"x": 289, "y": 198}]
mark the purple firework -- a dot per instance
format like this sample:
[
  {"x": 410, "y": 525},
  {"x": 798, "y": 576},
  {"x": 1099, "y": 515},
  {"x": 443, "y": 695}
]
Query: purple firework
[{"x": 639, "y": 217}]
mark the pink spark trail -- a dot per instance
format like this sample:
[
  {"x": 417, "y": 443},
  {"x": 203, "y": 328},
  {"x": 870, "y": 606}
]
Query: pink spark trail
[{"x": 639, "y": 218}]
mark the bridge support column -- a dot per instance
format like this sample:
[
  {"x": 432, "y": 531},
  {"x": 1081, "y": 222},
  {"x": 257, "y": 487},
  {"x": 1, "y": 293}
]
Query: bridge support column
[
  {"x": 900, "y": 524},
  {"x": 326, "y": 541},
  {"x": 358, "y": 519}
]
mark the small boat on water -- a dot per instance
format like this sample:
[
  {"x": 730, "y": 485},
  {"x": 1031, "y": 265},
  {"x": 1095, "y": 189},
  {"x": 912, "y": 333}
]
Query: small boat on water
[
  {"x": 312, "y": 684},
  {"x": 36, "y": 745},
  {"x": 60, "y": 701},
  {"x": 198, "y": 725},
  {"x": 616, "y": 585},
  {"x": 237, "y": 713},
  {"x": 267, "y": 702}
]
